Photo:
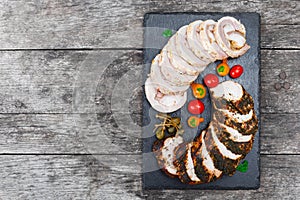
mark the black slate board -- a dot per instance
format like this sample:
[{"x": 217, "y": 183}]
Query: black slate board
[{"x": 155, "y": 24}]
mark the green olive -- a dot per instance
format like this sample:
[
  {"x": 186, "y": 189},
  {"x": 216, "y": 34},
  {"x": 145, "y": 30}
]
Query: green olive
[
  {"x": 171, "y": 129},
  {"x": 160, "y": 133}
]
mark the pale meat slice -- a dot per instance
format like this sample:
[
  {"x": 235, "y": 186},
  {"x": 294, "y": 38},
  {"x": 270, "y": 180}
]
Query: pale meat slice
[
  {"x": 192, "y": 33},
  {"x": 178, "y": 62},
  {"x": 172, "y": 74},
  {"x": 208, "y": 40},
  {"x": 164, "y": 103},
  {"x": 184, "y": 50},
  {"x": 165, "y": 86},
  {"x": 229, "y": 90},
  {"x": 230, "y": 35},
  {"x": 235, "y": 135},
  {"x": 164, "y": 151}
]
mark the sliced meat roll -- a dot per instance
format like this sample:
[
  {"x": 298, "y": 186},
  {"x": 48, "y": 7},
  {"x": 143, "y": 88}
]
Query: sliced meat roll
[
  {"x": 208, "y": 40},
  {"x": 230, "y": 35},
  {"x": 164, "y": 151},
  {"x": 223, "y": 158},
  {"x": 178, "y": 62},
  {"x": 165, "y": 103},
  {"x": 194, "y": 43},
  {"x": 164, "y": 86},
  {"x": 172, "y": 74},
  {"x": 184, "y": 50}
]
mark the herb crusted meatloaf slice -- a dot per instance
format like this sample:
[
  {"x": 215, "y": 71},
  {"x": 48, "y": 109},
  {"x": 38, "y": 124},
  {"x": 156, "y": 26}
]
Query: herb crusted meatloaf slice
[{"x": 218, "y": 149}]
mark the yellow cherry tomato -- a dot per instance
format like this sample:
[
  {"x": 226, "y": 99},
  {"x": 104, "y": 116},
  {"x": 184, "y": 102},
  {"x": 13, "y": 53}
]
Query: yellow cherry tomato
[
  {"x": 194, "y": 121},
  {"x": 223, "y": 68},
  {"x": 199, "y": 90}
]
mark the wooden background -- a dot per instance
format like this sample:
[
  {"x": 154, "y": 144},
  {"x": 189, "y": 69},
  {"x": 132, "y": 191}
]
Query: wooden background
[{"x": 44, "y": 43}]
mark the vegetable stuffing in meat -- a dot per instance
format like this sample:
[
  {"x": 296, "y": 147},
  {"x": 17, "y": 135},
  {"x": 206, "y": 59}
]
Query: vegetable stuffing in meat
[
  {"x": 219, "y": 148},
  {"x": 186, "y": 55}
]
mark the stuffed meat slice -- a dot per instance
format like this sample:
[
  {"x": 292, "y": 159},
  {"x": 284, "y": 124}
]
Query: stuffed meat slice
[
  {"x": 208, "y": 40},
  {"x": 230, "y": 35},
  {"x": 194, "y": 43},
  {"x": 165, "y": 103},
  {"x": 172, "y": 74},
  {"x": 164, "y": 86},
  {"x": 184, "y": 50},
  {"x": 178, "y": 62}
]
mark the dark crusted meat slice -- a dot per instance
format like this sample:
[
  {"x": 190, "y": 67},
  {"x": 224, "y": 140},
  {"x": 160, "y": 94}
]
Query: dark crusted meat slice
[
  {"x": 232, "y": 139},
  {"x": 204, "y": 166},
  {"x": 194, "y": 165},
  {"x": 248, "y": 126},
  {"x": 180, "y": 162},
  {"x": 232, "y": 96},
  {"x": 224, "y": 160},
  {"x": 164, "y": 151}
]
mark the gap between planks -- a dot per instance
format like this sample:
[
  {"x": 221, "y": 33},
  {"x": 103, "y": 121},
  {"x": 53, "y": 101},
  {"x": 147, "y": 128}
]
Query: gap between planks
[{"x": 121, "y": 49}]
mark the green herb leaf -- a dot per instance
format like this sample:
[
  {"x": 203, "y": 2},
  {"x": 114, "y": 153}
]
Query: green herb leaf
[
  {"x": 221, "y": 69},
  {"x": 243, "y": 167},
  {"x": 200, "y": 90},
  {"x": 167, "y": 33}
]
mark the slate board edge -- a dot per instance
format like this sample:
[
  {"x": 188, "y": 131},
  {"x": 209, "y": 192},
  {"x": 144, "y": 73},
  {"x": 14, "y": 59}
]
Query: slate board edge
[{"x": 146, "y": 16}]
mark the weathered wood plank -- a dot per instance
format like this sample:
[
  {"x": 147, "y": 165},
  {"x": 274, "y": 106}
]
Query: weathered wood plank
[
  {"x": 283, "y": 100},
  {"x": 48, "y": 81},
  {"x": 79, "y": 133},
  {"x": 119, "y": 177},
  {"x": 111, "y": 24}
]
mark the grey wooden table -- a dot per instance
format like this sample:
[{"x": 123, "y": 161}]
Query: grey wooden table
[{"x": 60, "y": 138}]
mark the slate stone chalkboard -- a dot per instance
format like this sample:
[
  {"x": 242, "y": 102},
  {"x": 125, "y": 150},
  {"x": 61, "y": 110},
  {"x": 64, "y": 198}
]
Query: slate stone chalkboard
[{"x": 155, "y": 24}]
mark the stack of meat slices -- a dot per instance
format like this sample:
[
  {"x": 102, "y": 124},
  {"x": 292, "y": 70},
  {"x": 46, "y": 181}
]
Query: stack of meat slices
[
  {"x": 220, "y": 147},
  {"x": 186, "y": 54}
]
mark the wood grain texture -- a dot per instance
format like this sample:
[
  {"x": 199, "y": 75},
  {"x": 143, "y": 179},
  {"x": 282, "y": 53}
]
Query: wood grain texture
[
  {"x": 37, "y": 91},
  {"x": 111, "y": 24},
  {"x": 119, "y": 177},
  {"x": 75, "y": 133},
  {"x": 45, "y": 81}
]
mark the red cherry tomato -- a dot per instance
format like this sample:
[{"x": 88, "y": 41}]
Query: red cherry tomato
[
  {"x": 211, "y": 80},
  {"x": 236, "y": 71},
  {"x": 196, "y": 107}
]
